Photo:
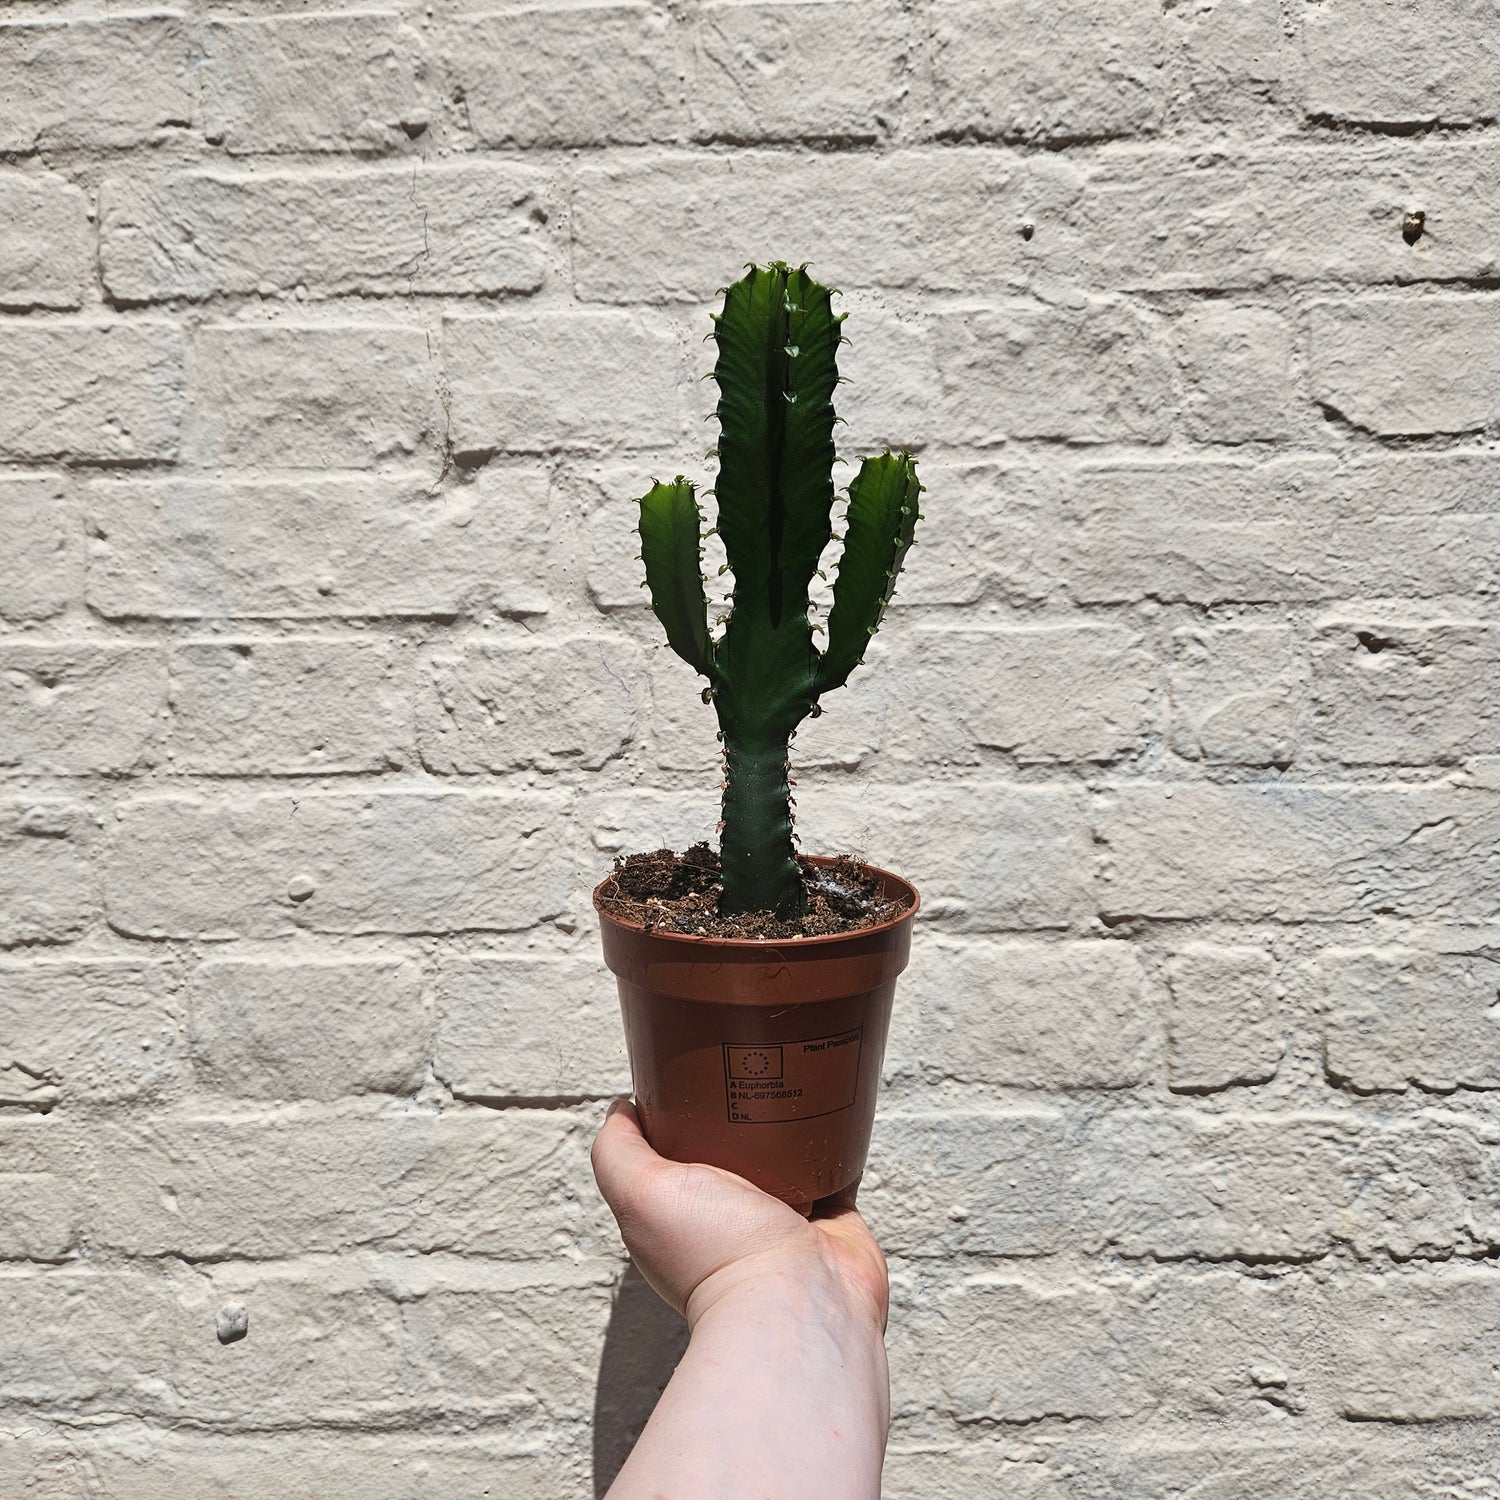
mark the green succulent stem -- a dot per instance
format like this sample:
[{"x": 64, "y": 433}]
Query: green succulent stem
[
  {"x": 756, "y": 852},
  {"x": 777, "y": 367}
]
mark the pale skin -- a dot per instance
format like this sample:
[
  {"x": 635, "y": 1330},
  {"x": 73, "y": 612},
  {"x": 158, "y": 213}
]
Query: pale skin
[{"x": 784, "y": 1392}]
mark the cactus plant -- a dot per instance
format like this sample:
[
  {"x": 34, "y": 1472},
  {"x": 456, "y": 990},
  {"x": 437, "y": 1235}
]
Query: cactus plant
[{"x": 778, "y": 340}]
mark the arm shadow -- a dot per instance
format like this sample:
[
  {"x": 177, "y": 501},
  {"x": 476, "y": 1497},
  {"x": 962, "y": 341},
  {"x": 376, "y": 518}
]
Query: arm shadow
[{"x": 642, "y": 1345}]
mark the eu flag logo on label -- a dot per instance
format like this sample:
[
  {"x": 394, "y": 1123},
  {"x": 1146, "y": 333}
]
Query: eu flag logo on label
[{"x": 754, "y": 1063}]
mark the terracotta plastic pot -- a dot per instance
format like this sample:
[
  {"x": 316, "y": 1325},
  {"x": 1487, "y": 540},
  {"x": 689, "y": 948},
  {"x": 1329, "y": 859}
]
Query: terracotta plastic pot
[{"x": 761, "y": 1056}]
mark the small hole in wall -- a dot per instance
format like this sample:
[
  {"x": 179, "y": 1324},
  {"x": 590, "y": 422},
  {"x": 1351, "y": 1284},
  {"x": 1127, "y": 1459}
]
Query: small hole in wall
[{"x": 1373, "y": 643}]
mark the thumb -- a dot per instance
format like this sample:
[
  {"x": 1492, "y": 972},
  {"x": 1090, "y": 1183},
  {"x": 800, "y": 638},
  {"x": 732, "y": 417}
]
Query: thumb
[{"x": 621, "y": 1156}]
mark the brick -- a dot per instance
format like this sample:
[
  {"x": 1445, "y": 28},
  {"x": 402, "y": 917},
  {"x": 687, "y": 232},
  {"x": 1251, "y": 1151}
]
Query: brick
[
  {"x": 529, "y": 1028},
  {"x": 463, "y": 229},
  {"x": 1387, "y": 365},
  {"x": 1038, "y": 693},
  {"x": 1039, "y": 1016},
  {"x": 1249, "y": 1349},
  {"x": 43, "y": 1202},
  {"x": 88, "y": 82},
  {"x": 138, "y": 1462},
  {"x": 1044, "y": 1353},
  {"x": 973, "y": 1182},
  {"x": 849, "y": 733},
  {"x": 1286, "y": 1186},
  {"x": 530, "y": 382},
  {"x": 608, "y": 497},
  {"x": 1228, "y": 1460},
  {"x": 919, "y": 994},
  {"x": 382, "y": 1345},
  {"x": 1209, "y": 1349},
  {"x": 1236, "y": 63},
  {"x": 1400, "y": 1017},
  {"x": 889, "y": 364},
  {"x": 625, "y": 822},
  {"x": 1289, "y": 530},
  {"x": 26, "y": 1460},
  {"x": 404, "y": 1178},
  {"x": 1402, "y": 692},
  {"x": 320, "y": 546},
  {"x": 93, "y": 392},
  {"x": 380, "y": 862},
  {"x": 1236, "y": 694},
  {"x": 1030, "y": 72},
  {"x": 1024, "y": 864},
  {"x": 1295, "y": 853},
  {"x": 1089, "y": 374},
  {"x": 504, "y": 706},
  {"x": 1421, "y": 1347},
  {"x": 1236, "y": 365},
  {"x": 1176, "y": 1186},
  {"x": 1175, "y": 221},
  {"x": 1184, "y": 1185},
  {"x": 884, "y": 220},
  {"x": 822, "y": 69},
  {"x": 39, "y": 568},
  {"x": 1423, "y": 1189},
  {"x": 47, "y": 894},
  {"x": 313, "y": 397},
  {"x": 1248, "y": 1468},
  {"x": 1418, "y": 62},
  {"x": 1155, "y": 218},
  {"x": 929, "y": 1473},
  {"x": 311, "y": 83},
  {"x": 569, "y": 75},
  {"x": 21, "y": 1085},
  {"x": 319, "y": 1030},
  {"x": 287, "y": 707},
  {"x": 88, "y": 1031},
  {"x": 987, "y": 528},
  {"x": 44, "y": 249},
  {"x": 75, "y": 707},
  {"x": 1225, "y": 1024}
]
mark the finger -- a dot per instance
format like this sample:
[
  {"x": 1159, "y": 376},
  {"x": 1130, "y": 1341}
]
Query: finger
[{"x": 621, "y": 1156}]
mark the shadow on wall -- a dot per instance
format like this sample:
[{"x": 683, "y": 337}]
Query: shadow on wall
[{"x": 642, "y": 1345}]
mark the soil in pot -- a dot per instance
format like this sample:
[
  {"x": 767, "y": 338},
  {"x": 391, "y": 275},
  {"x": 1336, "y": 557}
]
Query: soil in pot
[{"x": 664, "y": 891}]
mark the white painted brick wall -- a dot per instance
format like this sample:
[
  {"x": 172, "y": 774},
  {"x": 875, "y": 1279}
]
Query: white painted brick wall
[{"x": 335, "y": 344}]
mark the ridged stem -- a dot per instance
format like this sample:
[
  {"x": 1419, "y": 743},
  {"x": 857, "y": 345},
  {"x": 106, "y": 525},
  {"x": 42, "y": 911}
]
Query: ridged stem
[{"x": 755, "y": 845}]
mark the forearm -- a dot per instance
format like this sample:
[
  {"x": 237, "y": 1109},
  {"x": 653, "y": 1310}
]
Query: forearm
[{"x": 783, "y": 1397}]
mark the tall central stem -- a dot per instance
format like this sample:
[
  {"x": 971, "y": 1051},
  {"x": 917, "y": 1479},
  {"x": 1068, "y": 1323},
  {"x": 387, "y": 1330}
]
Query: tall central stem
[{"x": 755, "y": 847}]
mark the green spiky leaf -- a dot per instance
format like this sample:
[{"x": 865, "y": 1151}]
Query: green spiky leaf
[
  {"x": 882, "y": 521},
  {"x": 670, "y": 523}
]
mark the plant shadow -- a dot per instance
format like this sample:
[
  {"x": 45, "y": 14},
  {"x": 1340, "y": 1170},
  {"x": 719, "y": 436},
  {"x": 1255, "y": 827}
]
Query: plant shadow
[{"x": 642, "y": 1345}]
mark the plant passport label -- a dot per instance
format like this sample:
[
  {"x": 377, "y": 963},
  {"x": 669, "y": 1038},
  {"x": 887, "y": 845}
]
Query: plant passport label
[{"x": 776, "y": 1081}]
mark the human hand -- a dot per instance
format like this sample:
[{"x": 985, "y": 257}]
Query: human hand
[{"x": 702, "y": 1236}]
